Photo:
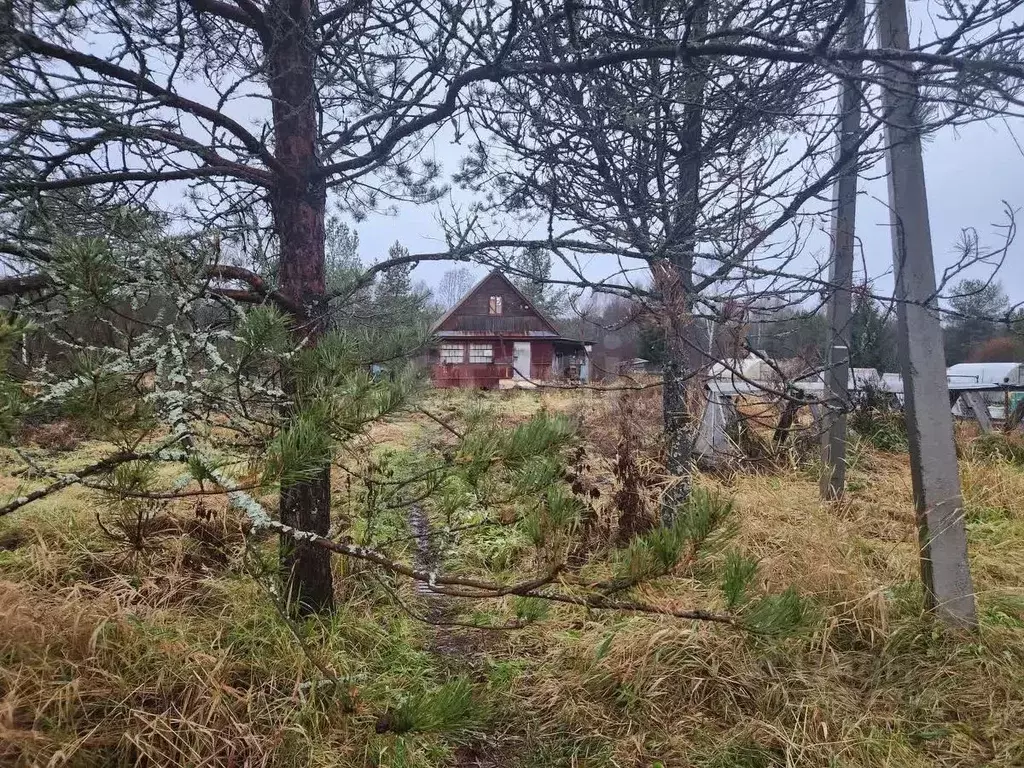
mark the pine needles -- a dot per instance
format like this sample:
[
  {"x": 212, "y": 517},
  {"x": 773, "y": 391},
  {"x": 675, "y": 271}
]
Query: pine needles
[
  {"x": 660, "y": 550},
  {"x": 737, "y": 577}
]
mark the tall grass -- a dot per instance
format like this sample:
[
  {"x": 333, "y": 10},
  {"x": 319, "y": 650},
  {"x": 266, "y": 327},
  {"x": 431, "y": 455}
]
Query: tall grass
[
  {"x": 177, "y": 656},
  {"x": 177, "y": 661}
]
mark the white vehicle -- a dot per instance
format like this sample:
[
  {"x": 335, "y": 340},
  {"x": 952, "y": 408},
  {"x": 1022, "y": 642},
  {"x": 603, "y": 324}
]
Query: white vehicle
[{"x": 996, "y": 374}]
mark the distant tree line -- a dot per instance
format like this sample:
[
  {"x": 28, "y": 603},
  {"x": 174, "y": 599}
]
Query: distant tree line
[
  {"x": 980, "y": 326},
  {"x": 980, "y": 323}
]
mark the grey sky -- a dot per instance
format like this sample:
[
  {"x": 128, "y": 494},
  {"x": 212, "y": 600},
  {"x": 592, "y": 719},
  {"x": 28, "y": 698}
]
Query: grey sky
[{"x": 971, "y": 172}]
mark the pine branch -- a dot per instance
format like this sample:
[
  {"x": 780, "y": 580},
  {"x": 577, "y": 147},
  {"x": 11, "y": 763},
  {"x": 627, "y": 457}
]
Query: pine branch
[
  {"x": 255, "y": 282},
  {"x": 95, "y": 179},
  {"x": 244, "y": 12},
  {"x": 73, "y": 478},
  {"x": 455, "y": 586},
  {"x": 259, "y": 290},
  {"x": 447, "y": 622},
  {"x": 127, "y": 77},
  {"x": 16, "y": 286}
]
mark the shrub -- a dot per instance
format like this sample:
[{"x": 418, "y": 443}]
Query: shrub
[
  {"x": 1008, "y": 447},
  {"x": 877, "y": 418},
  {"x": 448, "y": 708}
]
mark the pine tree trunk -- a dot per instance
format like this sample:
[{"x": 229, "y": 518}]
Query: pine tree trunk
[
  {"x": 683, "y": 344},
  {"x": 678, "y": 426},
  {"x": 299, "y": 205}
]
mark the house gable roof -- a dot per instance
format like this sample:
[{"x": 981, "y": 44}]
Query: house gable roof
[{"x": 472, "y": 291}]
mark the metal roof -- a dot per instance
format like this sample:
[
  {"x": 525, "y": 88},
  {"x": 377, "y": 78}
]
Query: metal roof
[
  {"x": 543, "y": 335},
  {"x": 891, "y": 382},
  {"x": 495, "y": 334},
  {"x": 988, "y": 373},
  {"x": 865, "y": 377},
  {"x": 733, "y": 387}
]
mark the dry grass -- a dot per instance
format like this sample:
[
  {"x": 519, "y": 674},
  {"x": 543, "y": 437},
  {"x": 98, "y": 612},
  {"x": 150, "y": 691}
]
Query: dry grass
[
  {"x": 849, "y": 693},
  {"x": 182, "y": 669},
  {"x": 176, "y": 656},
  {"x": 86, "y": 681},
  {"x": 871, "y": 682},
  {"x": 174, "y": 659}
]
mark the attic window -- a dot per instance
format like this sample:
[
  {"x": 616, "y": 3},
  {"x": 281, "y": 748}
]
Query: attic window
[{"x": 494, "y": 305}]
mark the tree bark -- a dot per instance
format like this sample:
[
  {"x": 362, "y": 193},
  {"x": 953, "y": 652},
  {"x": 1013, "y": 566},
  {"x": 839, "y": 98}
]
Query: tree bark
[
  {"x": 679, "y": 435},
  {"x": 683, "y": 355},
  {"x": 840, "y": 304},
  {"x": 299, "y": 203}
]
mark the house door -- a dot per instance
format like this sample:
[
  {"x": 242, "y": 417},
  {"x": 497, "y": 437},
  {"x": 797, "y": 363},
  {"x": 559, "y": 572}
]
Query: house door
[{"x": 521, "y": 360}]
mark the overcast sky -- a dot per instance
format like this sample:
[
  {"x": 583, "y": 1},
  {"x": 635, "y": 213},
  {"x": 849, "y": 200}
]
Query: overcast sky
[{"x": 972, "y": 174}]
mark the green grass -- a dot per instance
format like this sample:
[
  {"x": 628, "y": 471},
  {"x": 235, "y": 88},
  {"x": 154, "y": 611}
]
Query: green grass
[{"x": 177, "y": 658}]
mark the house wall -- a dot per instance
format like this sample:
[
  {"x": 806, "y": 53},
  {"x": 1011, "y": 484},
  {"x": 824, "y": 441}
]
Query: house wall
[{"x": 486, "y": 376}]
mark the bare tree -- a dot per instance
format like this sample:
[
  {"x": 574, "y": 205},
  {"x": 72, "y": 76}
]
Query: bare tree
[
  {"x": 704, "y": 175},
  {"x": 260, "y": 111},
  {"x": 454, "y": 284},
  {"x": 658, "y": 161}
]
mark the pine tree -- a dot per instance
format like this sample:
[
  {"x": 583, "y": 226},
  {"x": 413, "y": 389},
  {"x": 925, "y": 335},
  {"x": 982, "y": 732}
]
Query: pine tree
[
  {"x": 651, "y": 343},
  {"x": 185, "y": 396},
  {"x": 341, "y": 254},
  {"x": 398, "y": 303},
  {"x": 394, "y": 288},
  {"x": 873, "y": 336},
  {"x": 978, "y": 312},
  {"x": 533, "y": 277}
]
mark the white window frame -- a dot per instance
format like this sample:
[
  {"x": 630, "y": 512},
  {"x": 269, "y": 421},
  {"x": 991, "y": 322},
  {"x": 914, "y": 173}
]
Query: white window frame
[
  {"x": 452, "y": 353},
  {"x": 481, "y": 353},
  {"x": 494, "y": 305}
]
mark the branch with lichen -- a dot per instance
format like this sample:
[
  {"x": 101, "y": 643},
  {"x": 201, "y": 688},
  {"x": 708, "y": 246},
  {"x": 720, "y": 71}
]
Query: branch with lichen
[
  {"x": 164, "y": 453},
  {"x": 452, "y": 586}
]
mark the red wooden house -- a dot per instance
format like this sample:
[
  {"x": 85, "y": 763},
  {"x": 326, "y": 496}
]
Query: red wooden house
[{"x": 495, "y": 337}]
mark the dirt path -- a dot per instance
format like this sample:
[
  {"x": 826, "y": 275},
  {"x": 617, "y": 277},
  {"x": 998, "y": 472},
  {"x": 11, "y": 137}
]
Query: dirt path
[{"x": 459, "y": 650}]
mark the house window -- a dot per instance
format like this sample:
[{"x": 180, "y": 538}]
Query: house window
[
  {"x": 494, "y": 305},
  {"x": 481, "y": 353},
  {"x": 452, "y": 353}
]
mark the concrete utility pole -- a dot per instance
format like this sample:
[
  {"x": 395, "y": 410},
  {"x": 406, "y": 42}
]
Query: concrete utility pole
[
  {"x": 837, "y": 372},
  {"x": 942, "y": 535}
]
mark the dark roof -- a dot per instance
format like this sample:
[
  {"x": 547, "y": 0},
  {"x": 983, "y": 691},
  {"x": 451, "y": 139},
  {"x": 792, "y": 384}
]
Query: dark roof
[
  {"x": 503, "y": 334},
  {"x": 542, "y": 335},
  {"x": 476, "y": 287}
]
